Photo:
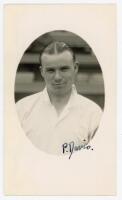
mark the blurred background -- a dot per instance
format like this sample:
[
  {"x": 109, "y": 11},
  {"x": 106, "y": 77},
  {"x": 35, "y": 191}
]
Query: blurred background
[{"x": 89, "y": 80}]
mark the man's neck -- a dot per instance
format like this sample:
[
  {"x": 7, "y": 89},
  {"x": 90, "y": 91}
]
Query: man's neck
[{"x": 59, "y": 101}]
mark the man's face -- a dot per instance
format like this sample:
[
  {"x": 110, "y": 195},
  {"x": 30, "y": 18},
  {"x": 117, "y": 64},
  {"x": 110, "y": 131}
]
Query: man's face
[{"x": 58, "y": 72}]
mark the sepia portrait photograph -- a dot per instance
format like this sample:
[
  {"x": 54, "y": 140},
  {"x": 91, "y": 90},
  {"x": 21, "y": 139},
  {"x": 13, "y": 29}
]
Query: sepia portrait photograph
[
  {"x": 63, "y": 84},
  {"x": 60, "y": 99}
]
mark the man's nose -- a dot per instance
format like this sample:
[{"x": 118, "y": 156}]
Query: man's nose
[{"x": 58, "y": 76}]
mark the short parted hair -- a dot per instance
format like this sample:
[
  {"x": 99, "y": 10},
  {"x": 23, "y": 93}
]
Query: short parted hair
[{"x": 57, "y": 47}]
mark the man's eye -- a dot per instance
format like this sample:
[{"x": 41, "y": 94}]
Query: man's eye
[
  {"x": 64, "y": 69},
  {"x": 50, "y": 70}
]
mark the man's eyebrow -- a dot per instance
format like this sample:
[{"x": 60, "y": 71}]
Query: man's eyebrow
[
  {"x": 65, "y": 66},
  {"x": 51, "y": 67},
  {"x": 60, "y": 67}
]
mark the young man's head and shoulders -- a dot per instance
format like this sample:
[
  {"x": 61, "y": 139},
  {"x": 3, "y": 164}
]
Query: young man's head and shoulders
[{"x": 59, "y": 69}]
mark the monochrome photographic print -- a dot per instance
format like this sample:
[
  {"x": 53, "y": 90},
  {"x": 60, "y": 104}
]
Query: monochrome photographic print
[
  {"x": 60, "y": 97},
  {"x": 67, "y": 120}
]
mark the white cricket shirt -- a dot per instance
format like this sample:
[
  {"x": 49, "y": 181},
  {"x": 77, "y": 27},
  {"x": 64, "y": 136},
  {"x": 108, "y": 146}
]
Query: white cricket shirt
[{"x": 48, "y": 131}]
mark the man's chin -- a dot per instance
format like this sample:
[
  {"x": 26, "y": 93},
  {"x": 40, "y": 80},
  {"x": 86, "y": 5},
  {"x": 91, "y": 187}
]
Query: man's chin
[{"x": 60, "y": 92}]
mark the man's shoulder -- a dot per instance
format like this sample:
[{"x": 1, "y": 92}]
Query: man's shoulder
[
  {"x": 88, "y": 104},
  {"x": 29, "y": 100}
]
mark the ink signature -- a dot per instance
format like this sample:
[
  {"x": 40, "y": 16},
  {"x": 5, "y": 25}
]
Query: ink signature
[{"x": 71, "y": 147}]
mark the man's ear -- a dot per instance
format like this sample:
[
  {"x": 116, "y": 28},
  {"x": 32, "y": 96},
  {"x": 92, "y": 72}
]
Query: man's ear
[
  {"x": 41, "y": 70},
  {"x": 76, "y": 66}
]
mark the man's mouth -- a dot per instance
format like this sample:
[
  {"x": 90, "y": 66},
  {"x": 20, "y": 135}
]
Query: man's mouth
[{"x": 58, "y": 84}]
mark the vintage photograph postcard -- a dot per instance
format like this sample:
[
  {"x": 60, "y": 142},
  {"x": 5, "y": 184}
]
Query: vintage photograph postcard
[{"x": 60, "y": 81}]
